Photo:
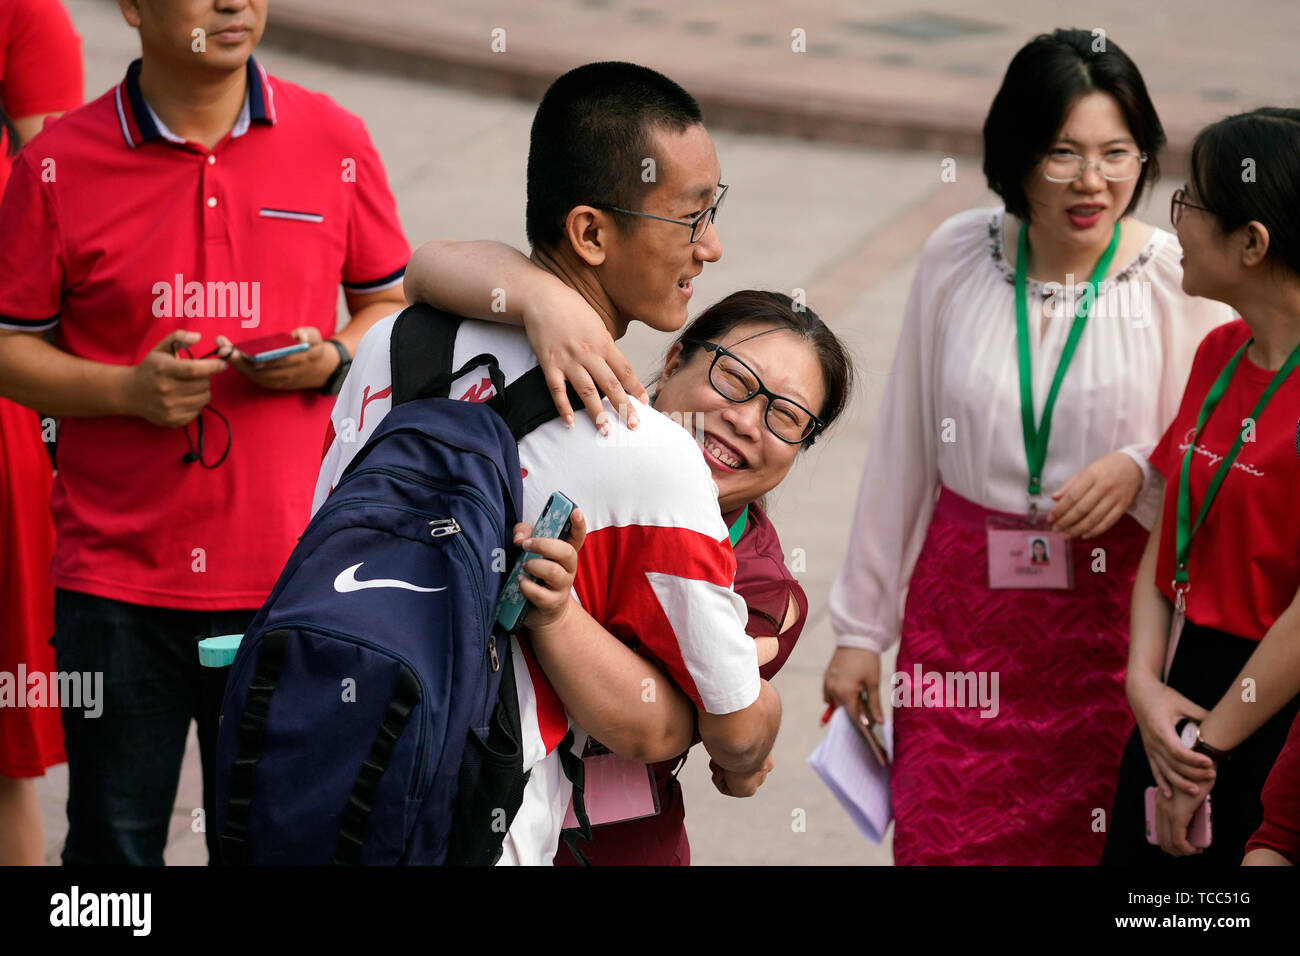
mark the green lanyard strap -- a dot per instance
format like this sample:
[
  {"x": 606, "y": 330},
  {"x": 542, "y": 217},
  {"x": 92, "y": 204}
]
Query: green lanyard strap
[
  {"x": 1036, "y": 436},
  {"x": 738, "y": 528},
  {"x": 1184, "y": 529}
]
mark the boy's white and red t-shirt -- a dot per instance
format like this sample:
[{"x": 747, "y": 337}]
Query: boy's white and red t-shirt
[
  {"x": 1244, "y": 563},
  {"x": 656, "y": 566}
]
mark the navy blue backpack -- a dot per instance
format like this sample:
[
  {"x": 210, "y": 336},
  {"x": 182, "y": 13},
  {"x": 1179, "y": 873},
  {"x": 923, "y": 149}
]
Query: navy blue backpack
[{"x": 370, "y": 716}]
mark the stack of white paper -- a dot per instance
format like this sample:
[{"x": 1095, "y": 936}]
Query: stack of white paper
[{"x": 844, "y": 762}]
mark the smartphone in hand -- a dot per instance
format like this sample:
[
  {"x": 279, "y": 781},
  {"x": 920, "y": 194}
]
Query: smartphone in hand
[
  {"x": 269, "y": 347},
  {"x": 871, "y": 731},
  {"x": 1198, "y": 831},
  {"x": 552, "y": 523}
]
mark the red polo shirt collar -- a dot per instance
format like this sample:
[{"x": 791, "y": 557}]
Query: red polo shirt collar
[{"x": 137, "y": 121}]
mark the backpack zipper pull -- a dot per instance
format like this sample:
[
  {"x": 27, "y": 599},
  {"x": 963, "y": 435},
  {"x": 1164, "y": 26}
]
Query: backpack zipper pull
[
  {"x": 492, "y": 653},
  {"x": 443, "y": 527}
]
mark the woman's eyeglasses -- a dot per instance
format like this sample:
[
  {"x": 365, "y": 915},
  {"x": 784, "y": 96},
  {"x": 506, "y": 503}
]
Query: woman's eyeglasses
[
  {"x": 1063, "y": 166},
  {"x": 737, "y": 382},
  {"x": 1176, "y": 203},
  {"x": 195, "y": 454}
]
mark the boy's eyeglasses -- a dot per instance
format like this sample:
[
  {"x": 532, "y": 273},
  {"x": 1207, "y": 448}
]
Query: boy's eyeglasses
[
  {"x": 195, "y": 454},
  {"x": 698, "y": 223},
  {"x": 737, "y": 382}
]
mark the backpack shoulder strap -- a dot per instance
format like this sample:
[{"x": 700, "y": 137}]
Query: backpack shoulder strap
[
  {"x": 422, "y": 346},
  {"x": 529, "y": 404},
  {"x": 422, "y": 349},
  {"x": 235, "y": 836}
]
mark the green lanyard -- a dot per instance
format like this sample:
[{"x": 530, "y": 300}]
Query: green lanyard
[
  {"x": 1184, "y": 529},
  {"x": 738, "y": 528},
  {"x": 1036, "y": 437}
]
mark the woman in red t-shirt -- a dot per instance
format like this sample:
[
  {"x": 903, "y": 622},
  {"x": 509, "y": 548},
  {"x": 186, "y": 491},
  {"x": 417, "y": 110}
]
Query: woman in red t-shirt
[
  {"x": 1226, "y": 548},
  {"x": 40, "y": 75}
]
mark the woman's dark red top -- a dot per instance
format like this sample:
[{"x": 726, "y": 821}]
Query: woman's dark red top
[{"x": 1280, "y": 830}]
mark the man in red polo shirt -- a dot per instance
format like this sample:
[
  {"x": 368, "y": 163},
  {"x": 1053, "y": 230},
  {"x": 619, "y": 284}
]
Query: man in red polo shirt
[{"x": 199, "y": 203}]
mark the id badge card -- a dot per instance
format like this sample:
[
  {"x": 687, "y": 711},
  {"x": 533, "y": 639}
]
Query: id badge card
[
  {"x": 615, "y": 789},
  {"x": 1027, "y": 554}
]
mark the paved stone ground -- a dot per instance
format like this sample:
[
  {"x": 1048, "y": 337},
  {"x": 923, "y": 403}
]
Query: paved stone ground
[
  {"x": 881, "y": 72},
  {"x": 843, "y": 223}
]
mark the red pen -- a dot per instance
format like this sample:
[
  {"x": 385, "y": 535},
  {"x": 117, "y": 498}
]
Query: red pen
[{"x": 826, "y": 717}]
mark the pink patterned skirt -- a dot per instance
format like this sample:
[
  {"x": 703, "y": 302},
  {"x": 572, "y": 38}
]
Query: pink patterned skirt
[{"x": 1033, "y": 782}]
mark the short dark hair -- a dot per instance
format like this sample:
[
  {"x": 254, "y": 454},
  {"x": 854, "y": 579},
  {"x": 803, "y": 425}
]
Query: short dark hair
[
  {"x": 590, "y": 135},
  {"x": 777, "y": 310},
  {"x": 1270, "y": 138},
  {"x": 1045, "y": 79}
]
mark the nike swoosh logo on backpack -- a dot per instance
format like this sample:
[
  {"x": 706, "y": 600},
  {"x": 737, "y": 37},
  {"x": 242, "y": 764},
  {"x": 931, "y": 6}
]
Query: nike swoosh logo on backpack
[{"x": 347, "y": 581}]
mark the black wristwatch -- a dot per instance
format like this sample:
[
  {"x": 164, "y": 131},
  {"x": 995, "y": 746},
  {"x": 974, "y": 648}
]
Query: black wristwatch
[
  {"x": 1214, "y": 753},
  {"x": 334, "y": 383},
  {"x": 1189, "y": 734}
]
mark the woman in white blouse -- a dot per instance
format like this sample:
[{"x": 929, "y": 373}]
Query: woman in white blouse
[{"x": 1008, "y": 700}]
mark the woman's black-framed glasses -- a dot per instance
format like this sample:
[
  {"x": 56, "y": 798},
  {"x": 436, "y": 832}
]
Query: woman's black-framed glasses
[
  {"x": 195, "y": 454},
  {"x": 737, "y": 382},
  {"x": 1176, "y": 203},
  {"x": 698, "y": 223}
]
